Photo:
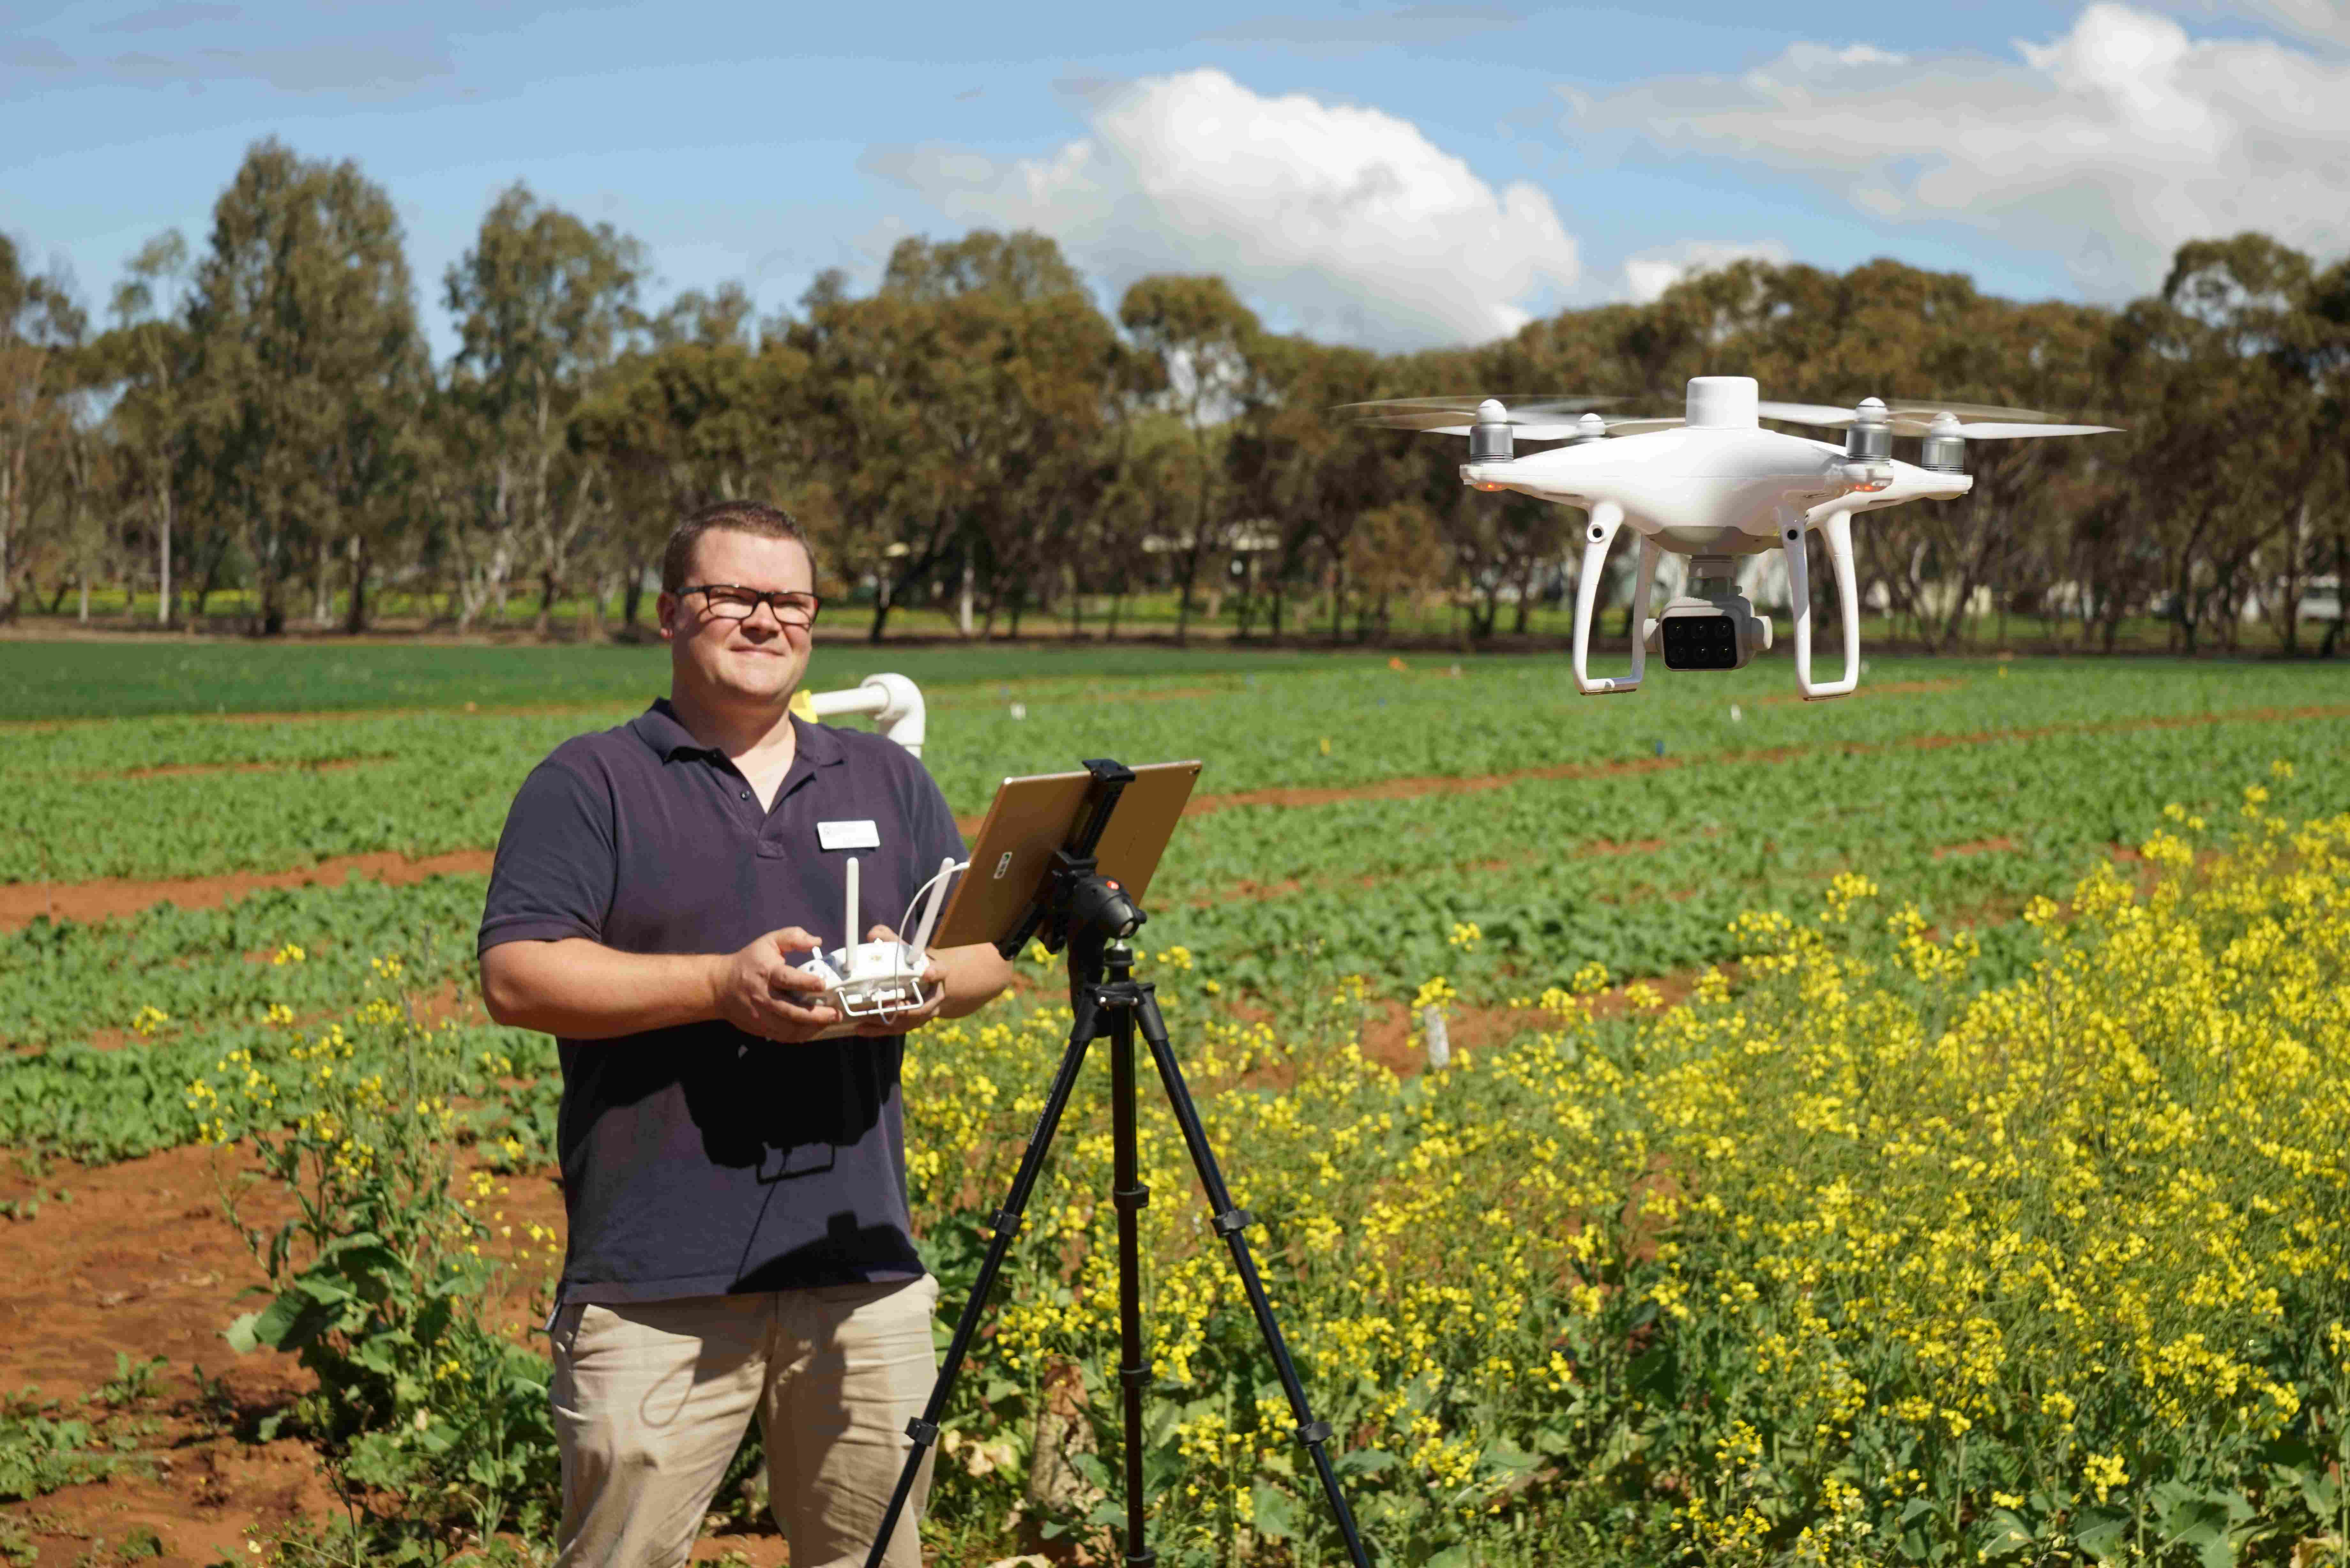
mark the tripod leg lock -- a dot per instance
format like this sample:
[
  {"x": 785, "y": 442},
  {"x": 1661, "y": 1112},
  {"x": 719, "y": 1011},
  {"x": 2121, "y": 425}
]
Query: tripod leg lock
[
  {"x": 924, "y": 1433},
  {"x": 1313, "y": 1432},
  {"x": 1233, "y": 1222},
  {"x": 1135, "y": 1376},
  {"x": 1003, "y": 1223},
  {"x": 1135, "y": 1197}
]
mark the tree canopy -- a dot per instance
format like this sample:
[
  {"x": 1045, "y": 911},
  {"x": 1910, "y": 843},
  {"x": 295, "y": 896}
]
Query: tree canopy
[{"x": 261, "y": 413}]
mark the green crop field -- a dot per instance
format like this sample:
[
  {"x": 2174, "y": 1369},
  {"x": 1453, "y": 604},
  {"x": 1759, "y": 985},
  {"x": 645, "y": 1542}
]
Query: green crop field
[{"x": 1900, "y": 1129}]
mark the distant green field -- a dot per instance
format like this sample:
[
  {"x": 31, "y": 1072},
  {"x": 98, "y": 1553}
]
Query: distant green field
[
  {"x": 139, "y": 677},
  {"x": 190, "y": 795}
]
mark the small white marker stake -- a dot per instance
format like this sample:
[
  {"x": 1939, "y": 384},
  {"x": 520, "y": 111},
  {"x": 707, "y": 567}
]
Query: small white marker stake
[{"x": 1439, "y": 1042}]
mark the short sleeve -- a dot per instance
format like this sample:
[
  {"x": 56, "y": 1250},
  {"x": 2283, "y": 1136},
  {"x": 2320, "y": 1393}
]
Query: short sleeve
[
  {"x": 931, "y": 826},
  {"x": 555, "y": 863}
]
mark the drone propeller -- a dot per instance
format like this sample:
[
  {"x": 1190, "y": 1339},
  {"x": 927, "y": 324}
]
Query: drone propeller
[
  {"x": 1441, "y": 413},
  {"x": 1590, "y": 427},
  {"x": 1908, "y": 416},
  {"x": 1522, "y": 419},
  {"x": 2010, "y": 432},
  {"x": 1870, "y": 426}
]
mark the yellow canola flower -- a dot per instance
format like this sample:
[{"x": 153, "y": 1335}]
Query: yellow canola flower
[{"x": 2075, "y": 1207}]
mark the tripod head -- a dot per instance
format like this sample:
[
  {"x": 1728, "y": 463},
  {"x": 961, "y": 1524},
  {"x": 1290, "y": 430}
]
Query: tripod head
[
  {"x": 1099, "y": 913},
  {"x": 1076, "y": 906}
]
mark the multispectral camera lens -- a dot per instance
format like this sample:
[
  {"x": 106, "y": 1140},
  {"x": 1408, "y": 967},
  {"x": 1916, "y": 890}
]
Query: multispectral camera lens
[{"x": 1700, "y": 642}]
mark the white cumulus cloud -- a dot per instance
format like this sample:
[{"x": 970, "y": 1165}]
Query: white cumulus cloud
[
  {"x": 2106, "y": 147},
  {"x": 1343, "y": 222}
]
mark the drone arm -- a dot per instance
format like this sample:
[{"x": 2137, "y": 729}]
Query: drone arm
[
  {"x": 1835, "y": 532},
  {"x": 1606, "y": 517}
]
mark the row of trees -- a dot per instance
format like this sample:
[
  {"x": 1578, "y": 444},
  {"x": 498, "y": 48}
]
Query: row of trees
[{"x": 264, "y": 414}]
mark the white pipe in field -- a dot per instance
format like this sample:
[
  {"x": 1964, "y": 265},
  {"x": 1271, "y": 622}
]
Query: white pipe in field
[{"x": 894, "y": 701}]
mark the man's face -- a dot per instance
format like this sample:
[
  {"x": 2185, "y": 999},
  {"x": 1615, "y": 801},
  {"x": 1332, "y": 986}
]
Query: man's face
[{"x": 759, "y": 660}]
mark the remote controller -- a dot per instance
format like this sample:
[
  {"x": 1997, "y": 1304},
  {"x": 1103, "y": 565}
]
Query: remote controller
[{"x": 869, "y": 981}]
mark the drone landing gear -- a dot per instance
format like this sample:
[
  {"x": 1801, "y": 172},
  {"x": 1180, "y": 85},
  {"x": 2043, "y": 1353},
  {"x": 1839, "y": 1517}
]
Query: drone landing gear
[
  {"x": 1835, "y": 532},
  {"x": 1094, "y": 915},
  {"x": 1607, "y": 518}
]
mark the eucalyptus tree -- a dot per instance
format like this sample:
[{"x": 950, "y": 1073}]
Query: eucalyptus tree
[
  {"x": 41, "y": 327},
  {"x": 147, "y": 356},
  {"x": 543, "y": 303},
  {"x": 1295, "y": 464},
  {"x": 1195, "y": 335},
  {"x": 958, "y": 409},
  {"x": 2329, "y": 313},
  {"x": 1138, "y": 509},
  {"x": 699, "y": 413},
  {"x": 307, "y": 370},
  {"x": 2229, "y": 437}
]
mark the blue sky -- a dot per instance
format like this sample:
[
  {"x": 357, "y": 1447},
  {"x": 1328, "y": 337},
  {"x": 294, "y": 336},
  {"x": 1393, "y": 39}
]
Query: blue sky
[{"x": 1394, "y": 174}]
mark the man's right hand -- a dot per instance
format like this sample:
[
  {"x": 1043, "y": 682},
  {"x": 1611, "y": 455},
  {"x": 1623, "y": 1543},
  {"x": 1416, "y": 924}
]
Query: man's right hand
[{"x": 755, "y": 989}]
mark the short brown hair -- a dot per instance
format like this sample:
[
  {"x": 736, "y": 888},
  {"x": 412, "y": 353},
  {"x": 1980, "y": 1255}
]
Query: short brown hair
[{"x": 739, "y": 516}]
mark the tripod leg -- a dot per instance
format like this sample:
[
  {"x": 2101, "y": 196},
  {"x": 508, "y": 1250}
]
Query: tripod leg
[
  {"x": 924, "y": 1428},
  {"x": 1130, "y": 1194},
  {"x": 1229, "y": 1222}
]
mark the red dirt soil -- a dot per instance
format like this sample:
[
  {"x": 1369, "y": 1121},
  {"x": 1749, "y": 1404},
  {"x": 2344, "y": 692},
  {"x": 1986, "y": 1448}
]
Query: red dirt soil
[
  {"x": 185, "y": 770},
  {"x": 21, "y": 903},
  {"x": 144, "y": 1260}
]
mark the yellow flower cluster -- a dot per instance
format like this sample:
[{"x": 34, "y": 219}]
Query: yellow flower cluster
[{"x": 1902, "y": 1209}]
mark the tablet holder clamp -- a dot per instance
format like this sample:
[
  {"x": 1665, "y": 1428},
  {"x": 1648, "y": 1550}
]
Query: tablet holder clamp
[{"x": 1092, "y": 916}]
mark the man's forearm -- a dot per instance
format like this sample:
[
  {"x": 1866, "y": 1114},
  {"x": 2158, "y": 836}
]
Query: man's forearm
[
  {"x": 976, "y": 976},
  {"x": 580, "y": 990}
]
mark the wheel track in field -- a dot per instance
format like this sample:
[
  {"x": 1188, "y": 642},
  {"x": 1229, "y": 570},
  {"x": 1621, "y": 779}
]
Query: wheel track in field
[{"x": 23, "y": 902}]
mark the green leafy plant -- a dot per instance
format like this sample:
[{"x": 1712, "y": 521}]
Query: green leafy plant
[{"x": 377, "y": 1283}]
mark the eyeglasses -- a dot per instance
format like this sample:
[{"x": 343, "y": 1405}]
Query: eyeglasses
[{"x": 728, "y": 602}]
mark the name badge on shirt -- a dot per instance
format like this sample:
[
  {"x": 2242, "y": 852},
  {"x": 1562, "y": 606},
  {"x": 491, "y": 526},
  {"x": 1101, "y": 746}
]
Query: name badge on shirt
[{"x": 847, "y": 834}]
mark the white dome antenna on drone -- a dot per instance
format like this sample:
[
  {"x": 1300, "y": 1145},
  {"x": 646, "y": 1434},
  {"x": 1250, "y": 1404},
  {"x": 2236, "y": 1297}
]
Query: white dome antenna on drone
[{"x": 1710, "y": 484}]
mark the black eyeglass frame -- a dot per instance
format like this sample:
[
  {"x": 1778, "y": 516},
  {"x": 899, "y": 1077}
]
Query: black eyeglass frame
[{"x": 774, "y": 598}]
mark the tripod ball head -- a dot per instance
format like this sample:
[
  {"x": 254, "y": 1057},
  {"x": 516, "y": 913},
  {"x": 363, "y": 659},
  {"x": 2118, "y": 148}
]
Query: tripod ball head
[{"x": 1098, "y": 905}]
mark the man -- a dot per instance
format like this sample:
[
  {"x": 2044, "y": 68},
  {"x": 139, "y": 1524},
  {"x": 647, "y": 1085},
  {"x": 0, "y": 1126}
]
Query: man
[{"x": 735, "y": 1189}]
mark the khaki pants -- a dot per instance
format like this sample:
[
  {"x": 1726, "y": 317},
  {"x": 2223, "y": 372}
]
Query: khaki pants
[{"x": 651, "y": 1398}]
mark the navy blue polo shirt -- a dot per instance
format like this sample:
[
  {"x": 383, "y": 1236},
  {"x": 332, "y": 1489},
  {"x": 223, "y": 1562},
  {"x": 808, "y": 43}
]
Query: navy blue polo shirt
[{"x": 702, "y": 1160}]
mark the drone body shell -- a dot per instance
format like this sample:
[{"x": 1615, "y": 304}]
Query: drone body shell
[{"x": 1710, "y": 491}]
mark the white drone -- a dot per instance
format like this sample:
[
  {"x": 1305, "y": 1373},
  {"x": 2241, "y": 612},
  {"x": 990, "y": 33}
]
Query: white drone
[{"x": 1713, "y": 485}]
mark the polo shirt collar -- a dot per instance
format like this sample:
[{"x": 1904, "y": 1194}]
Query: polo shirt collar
[
  {"x": 818, "y": 745},
  {"x": 659, "y": 728}
]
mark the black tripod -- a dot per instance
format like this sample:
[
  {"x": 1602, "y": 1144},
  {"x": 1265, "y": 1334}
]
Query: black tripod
[{"x": 1092, "y": 916}]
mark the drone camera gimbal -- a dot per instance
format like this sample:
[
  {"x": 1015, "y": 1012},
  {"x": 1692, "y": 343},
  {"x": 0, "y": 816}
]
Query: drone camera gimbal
[{"x": 1712, "y": 626}]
